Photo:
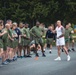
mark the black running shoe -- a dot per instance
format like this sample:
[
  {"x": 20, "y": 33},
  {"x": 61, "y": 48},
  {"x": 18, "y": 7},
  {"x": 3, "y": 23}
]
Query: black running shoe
[
  {"x": 69, "y": 50},
  {"x": 15, "y": 59},
  {"x": 28, "y": 56},
  {"x": 73, "y": 49},
  {"x": 21, "y": 57},
  {"x": 50, "y": 52},
  {"x": 43, "y": 55},
  {"x": 62, "y": 50},
  {"x": 25, "y": 56},
  {"x": 8, "y": 60},
  {"x": 18, "y": 56},
  {"x": 37, "y": 55}
]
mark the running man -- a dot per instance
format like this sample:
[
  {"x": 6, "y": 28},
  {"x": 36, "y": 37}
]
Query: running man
[
  {"x": 71, "y": 36},
  {"x": 67, "y": 38},
  {"x": 37, "y": 32},
  {"x": 60, "y": 40}
]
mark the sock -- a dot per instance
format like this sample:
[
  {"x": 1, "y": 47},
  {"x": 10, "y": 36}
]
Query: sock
[
  {"x": 44, "y": 49},
  {"x": 50, "y": 50}
]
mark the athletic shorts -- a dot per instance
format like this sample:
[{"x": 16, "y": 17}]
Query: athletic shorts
[
  {"x": 67, "y": 40},
  {"x": 39, "y": 41},
  {"x": 60, "y": 41},
  {"x": 1, "y": 43},
  {"x": 49, "y": 40}
]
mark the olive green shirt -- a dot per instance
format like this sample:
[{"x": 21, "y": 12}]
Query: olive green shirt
[
  {"x": 27, "y": 32},
  {"x": 10, "y": 32},
  {"x": 5, "y": 36},
  {"x": 37, "y": 32},
  {"x": 22, "y": 31},
  {"x": 67, "y": 33},
  {"x": 71, "y": 29}
]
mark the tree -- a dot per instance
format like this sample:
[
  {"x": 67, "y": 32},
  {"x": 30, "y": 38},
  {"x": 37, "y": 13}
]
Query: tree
[{"x": 45, "y": 11}]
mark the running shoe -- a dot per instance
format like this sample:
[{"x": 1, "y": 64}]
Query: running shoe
[
  {"x": 58, "y": 59},
  {"x": 4, "y": 63},
  {"x": 68, "y": 58}
]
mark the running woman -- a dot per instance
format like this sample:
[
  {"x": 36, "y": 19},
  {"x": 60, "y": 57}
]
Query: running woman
[{"x": 50, "y": 37}]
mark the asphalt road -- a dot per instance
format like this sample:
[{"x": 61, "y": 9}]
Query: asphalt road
[{"x": 42, "y": 66}]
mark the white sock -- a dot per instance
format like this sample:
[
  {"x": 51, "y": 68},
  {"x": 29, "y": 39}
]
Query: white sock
[
  {"x": 44, "y": 49},
  {"x": 50, "y": 50}
]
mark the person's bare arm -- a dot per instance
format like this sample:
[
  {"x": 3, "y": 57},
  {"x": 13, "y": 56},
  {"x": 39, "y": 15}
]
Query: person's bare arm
[
  {"x": 15, "y": 35},
  {"x": 10, "y": 38},
  {"x": 54, "y": 31},
  {"x": 19, "y": 38},
  {"x": 1, "y": 34}
]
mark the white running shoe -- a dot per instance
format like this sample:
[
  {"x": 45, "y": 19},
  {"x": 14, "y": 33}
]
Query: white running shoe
[
  {"x": 68, "y": 58},
  {"x": 58, "y": 59}
]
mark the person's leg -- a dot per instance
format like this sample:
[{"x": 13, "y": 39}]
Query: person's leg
[
  {"x": 45, "y": 45},
  {"x": 11, "y": 53},
  {"x": 73, "y": 45},
  {"x": 40, "y": 41},
  {"x": 15, "y": 56},
  {"x": 16, "y": 50},
  {"x": 43, "y": 54},
  {"x": 50, "y": 48},
  {"x": 66, "y": 45},
  {"x": 20, "y": 51},
  {"x": 4, "y": 61},
  {"x": 0, "y": 54},
  {"x": 25, "y": 49},
  {"x": 36, "y": 45},
  {"x": 58, "y": 48},
  {"x": 32, "y": 48},
  {"x": 28, "y": 51},
  {"x": 1, "y": 51},
  {"x": 3, "y": 57},
  {"x": 8, "y": 53},
  {"x": 66, "y": 51},
  {"x": 59, "y": 53}
]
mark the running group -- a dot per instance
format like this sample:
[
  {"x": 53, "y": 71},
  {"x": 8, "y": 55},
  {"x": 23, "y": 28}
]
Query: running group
[{"x": 15, "y": 38}]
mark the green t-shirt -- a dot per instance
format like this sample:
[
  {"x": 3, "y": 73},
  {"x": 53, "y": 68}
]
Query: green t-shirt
[
  {"x": 10, "y": 32},
  {"x": 67, "y": 33},
  {"x": 22, "y": 30},
  {"x": 36, "y": 31},
  {"x": 27, "y": 32},
  {"x": 5, "y": 36},
  {"x": 0, "y": 32},
  {"x": 70, "y": 29}
]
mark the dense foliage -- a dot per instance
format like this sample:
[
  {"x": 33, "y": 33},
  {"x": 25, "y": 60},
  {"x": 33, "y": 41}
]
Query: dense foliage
[{"x": 47, "y": 11}]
